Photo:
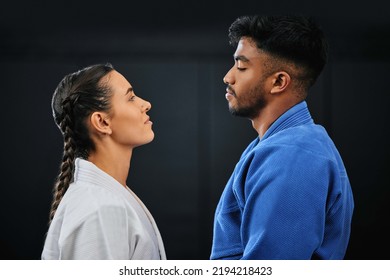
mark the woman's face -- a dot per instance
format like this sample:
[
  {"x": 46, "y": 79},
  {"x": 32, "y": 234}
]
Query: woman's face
[{"x": 131, "y": 126}]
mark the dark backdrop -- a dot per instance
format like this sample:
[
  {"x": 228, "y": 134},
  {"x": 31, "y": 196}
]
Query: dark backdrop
[{"x": 175, "y": 53}]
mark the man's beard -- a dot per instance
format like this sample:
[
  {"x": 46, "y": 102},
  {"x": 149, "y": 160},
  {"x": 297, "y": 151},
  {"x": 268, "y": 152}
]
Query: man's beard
[{"x": 255, "y": 101}]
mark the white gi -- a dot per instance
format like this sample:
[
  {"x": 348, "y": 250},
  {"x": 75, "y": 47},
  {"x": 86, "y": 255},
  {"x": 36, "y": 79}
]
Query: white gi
[{"x": 98, "y": 218}]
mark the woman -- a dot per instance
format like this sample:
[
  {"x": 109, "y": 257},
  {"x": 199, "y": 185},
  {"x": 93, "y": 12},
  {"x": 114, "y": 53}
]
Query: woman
[{"x": 94, "y": 215}]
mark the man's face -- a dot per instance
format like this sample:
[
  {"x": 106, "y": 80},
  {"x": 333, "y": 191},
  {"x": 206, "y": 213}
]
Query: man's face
[{"x": 246, "y": 89}]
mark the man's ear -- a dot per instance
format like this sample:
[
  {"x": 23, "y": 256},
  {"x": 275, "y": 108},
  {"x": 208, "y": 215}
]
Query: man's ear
[
  {"x": 100, "y": 122},
  {"x": 280, "y": 81}
]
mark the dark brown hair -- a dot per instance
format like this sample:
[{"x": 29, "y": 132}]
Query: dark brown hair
[{"x": 77, "y": 96}]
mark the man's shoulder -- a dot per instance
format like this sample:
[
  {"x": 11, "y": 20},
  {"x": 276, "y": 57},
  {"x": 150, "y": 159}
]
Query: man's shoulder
[{"x": 309, "y": 140}]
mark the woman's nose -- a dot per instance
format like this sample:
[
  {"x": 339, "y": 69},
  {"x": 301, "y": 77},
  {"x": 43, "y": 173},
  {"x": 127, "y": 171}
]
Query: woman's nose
[{"x": 146, "y": 105}]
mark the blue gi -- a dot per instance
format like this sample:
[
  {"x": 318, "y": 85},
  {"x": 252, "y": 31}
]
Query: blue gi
[{"x": 289, "y": 196}]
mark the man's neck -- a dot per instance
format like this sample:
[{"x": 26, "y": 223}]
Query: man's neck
[{"x": 269, "y": 114}]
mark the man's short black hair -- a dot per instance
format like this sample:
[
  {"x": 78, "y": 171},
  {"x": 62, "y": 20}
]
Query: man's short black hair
[{"x": 296, "y": 39}]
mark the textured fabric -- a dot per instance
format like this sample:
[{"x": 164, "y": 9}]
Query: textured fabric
[
  {"x": 289, "y": 196},
  {"x": 98, "y": 218}
]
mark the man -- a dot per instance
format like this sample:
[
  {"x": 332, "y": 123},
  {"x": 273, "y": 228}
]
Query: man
[{"x": 289, "y": 196}]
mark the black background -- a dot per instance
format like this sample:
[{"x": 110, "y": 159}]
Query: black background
[{"x": 175, "y": 54}]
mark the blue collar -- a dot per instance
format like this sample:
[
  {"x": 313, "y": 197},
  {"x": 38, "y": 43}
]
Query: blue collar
[{"x": 297, "y": 115}]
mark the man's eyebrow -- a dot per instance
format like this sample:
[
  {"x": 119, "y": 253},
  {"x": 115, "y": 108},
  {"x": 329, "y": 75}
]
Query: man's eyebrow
[
  {"x": 130, "y": 89},
  {"x": 241, "y": 57}
]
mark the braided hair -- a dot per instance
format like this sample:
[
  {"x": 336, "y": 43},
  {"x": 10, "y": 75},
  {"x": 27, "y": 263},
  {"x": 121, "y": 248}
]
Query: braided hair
[{"x": 77, "y": 96}]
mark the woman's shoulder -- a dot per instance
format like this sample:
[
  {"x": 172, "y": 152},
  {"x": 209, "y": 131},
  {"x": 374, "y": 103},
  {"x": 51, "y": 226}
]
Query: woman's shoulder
[
  {"x": 84, "y": 203},
  {"x": 86, "y": 193}
]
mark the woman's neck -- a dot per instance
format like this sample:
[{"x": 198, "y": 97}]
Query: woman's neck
[{"x": 115, "y": 163}]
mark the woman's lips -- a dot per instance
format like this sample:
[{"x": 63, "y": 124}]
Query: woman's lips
[{"x": 148, "y": 121}]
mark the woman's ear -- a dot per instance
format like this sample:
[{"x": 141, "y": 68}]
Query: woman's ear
[
  {"x": 100, "y": 122},
  {"x": 281, "y": 80}
]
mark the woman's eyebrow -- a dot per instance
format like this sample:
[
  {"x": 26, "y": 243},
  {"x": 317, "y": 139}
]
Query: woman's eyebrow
[{"x": 130, "y": 89}]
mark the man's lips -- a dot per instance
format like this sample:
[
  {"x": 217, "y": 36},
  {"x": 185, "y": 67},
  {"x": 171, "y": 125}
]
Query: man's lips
[
  {"x": 229, "y": 93},
  {"x": 228, "y": 96}
]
